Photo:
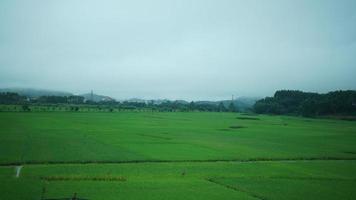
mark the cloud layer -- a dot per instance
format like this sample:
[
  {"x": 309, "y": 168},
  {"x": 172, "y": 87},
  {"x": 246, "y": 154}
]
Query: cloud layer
[{"x": 179, "y": 48}]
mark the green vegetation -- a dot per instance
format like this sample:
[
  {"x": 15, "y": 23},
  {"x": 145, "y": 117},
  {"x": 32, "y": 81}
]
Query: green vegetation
[
  {"x": 176, "y": 155},
  {"x": 340, "y": 104},
  {"x": 294, "y": 102},
  {"x": 10, "y": 102}
]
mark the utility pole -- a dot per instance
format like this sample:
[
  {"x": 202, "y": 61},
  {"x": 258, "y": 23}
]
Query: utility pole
[
  {"x": 91, "y": 96},
  {"x": 232, "y": 106}
]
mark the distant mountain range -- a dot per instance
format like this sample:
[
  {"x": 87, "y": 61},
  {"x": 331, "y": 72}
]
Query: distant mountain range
[
  {"x": 96, "y": 97},
  {"x": 34, "y": 93},
  {"x": 242, "y": 103}
]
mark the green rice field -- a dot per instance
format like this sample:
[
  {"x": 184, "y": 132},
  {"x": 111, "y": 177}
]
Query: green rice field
[{"x": 177, "y": 155}]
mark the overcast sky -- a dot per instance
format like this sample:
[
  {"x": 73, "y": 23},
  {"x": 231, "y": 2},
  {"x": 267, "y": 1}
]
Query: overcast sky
[{"x": 178, "y": 49}]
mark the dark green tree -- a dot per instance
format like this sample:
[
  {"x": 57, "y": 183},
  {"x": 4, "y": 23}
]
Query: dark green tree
[
  {"x": 221, "y": 107},
  {"x": 232, "y": 107}
]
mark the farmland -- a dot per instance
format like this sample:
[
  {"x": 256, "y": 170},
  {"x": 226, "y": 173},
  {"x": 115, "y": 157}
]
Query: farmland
[{"x": 175, "y": 155}]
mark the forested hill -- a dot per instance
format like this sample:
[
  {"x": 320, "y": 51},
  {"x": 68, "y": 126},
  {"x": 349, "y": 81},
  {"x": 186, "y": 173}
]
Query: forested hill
[
  {"x": 308, "y": 104},
  {"x": 35, "y": 93}
]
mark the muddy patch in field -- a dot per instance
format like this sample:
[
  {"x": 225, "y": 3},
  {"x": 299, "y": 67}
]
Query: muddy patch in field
[
  {"x": 155, "y": 136},
  {"x": 248, "y": 118},
  {"x": 153, "y": 117},
  {"x": 279, "y": 124},
  {"x": 350, "y": 152},
  {"x": 237, "y": 127},
  {"x": 348, "y": 118},
  {"x": 249, "y": 114},
  {"x": 83, "y": 178},
  {"x": 223, "y": 129}
]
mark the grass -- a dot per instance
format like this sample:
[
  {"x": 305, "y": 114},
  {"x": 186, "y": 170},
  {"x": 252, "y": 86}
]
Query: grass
[{"x": 150, "y": 155}]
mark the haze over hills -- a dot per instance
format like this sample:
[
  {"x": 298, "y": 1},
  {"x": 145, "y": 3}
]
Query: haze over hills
[
  {"x": 34, "y": 93},
  {"x": 96, "y": 97},
  {"x": 242, "y": 103}
]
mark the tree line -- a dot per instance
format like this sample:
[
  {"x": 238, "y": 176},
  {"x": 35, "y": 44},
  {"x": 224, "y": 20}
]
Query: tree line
[
  {"x": 167, "y": 106},
  {"x": 14, "y": 98},
  {"x": 294, "y": 102},
  {"x": 284, "y": 102}
]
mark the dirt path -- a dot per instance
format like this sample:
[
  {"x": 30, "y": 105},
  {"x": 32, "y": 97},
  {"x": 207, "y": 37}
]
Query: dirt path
[
  {"x": 252, "y": 194},
  {"x": 18, "y": 171},
  {"x": 258, "y": 160}
]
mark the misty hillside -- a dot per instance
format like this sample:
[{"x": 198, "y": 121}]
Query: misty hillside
[
  {"x": 242, "y": 103},
  {"x": 96, "y": 97},
  {"x": 34, "y": 93}
]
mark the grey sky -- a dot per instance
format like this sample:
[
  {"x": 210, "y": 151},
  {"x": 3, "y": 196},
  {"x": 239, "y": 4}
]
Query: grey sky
[{"x": 183, "y": 49}]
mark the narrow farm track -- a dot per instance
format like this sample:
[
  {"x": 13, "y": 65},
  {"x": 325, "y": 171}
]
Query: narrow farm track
[
  {"x": 252, "y": 194},
  {"x": 254, "y": 160}
]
